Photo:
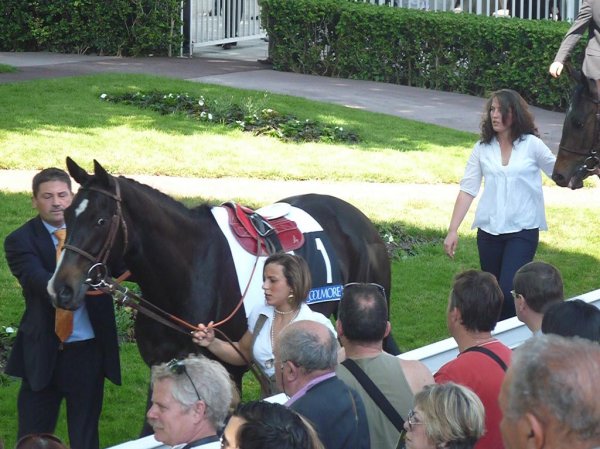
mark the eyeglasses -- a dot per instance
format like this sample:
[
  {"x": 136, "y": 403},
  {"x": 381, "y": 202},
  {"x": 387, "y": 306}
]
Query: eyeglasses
[
  {"x": 41, "y": 437},
  {"x": 178, "y": 367},
  {"x": 412, "y": 419},
  {"x": 367, "y": 284}
]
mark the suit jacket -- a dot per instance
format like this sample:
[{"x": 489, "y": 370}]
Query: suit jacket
[
  {"x": 588, "y": 19},
  {"x": 337, "y": 413},
  {"x": 31, "y": 256}
]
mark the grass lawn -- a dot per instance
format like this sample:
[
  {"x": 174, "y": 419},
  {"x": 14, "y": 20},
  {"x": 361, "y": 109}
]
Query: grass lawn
[
  {"x": 4, "y": 68},
  {"x": 48, "y": 120}
]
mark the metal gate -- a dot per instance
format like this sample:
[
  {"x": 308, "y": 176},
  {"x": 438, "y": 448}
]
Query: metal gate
[{"x": 215, "y": 22}]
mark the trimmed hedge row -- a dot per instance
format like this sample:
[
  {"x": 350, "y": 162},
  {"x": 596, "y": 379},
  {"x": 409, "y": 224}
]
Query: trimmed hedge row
[
  {"x": 461, "y": 53},
  {"x": 115, "y": 27}
]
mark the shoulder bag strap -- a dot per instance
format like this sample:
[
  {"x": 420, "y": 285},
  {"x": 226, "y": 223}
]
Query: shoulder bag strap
[
  {"x": 375, "y": 393},
  {"x": 266, "y": 383},
  {"x": 260, "y": 322},
  {"x": 489, "y": 353}
]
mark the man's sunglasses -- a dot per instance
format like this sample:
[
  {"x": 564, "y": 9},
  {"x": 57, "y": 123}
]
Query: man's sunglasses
[
  {"x": 367, "y": 284},
  {"x": 178, "y": 367}
]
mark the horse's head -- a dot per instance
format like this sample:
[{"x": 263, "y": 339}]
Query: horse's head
[
  {"x": 578, "y": 150},
  {"x": 96, "y": 235}
]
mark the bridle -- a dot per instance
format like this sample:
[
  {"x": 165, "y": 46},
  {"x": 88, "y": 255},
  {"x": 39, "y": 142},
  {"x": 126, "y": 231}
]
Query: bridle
[
  {"x": 116, "y": 221},
  {"x": 593, "y": 155}
]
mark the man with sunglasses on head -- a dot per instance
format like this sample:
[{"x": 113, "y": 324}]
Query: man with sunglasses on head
[
  {"x": 361, "y": 326},
  {"x": 191, "y": 399}
]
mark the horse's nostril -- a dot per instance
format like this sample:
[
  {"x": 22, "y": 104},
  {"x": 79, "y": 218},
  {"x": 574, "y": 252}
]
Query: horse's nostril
[
  {"x": 64, "y": 295},
  {"x": 559, "y": 179}
]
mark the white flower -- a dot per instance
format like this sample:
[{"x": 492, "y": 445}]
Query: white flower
[
  {"x": 103, "y": 96},
  {"x": 9, "y": 330},
  {"x": 209, "y": 116},
  {"x": 201, "y": 101}
]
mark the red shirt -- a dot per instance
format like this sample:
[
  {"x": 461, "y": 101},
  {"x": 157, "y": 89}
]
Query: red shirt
[{"x": 484, "y": 376}]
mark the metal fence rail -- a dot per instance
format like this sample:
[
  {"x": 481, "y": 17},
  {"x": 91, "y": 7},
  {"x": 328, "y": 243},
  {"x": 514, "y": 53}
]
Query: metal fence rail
[
  {"x": 526, "y": 9},
  {"x": 214, "y": 22}
]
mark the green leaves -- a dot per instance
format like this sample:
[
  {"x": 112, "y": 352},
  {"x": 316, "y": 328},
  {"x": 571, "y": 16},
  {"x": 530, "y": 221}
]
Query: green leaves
[
  {"x": 467, "y": 53},
  {"x": 249, "y": 116}
]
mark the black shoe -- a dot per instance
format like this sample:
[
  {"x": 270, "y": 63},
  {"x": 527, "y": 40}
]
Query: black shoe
[{"x": 269, "y": 61}]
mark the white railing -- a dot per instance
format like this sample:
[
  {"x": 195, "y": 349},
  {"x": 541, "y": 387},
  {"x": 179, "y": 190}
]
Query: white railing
[
  {"x": 511, "y": 332},
  {"x": 527, "y": 9},
  {"x": 214, "y": 22}
]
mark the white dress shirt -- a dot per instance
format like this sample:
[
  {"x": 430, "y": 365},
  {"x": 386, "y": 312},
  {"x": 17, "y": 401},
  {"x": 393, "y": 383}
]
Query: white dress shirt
[{"x": 512, "y": 198}]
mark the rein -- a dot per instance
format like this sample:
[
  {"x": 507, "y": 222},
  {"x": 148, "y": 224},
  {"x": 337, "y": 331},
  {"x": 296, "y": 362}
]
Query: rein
[{"x": 123, "y": 296}]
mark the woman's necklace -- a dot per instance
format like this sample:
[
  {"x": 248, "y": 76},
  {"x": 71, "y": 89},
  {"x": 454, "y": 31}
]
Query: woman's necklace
[
  {"x": 297, "y": 311},
  {"x": 279, "y": 312}
]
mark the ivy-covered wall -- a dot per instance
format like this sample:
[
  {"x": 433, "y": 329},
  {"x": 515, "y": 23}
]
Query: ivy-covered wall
[{"x": 461, "y": 53}]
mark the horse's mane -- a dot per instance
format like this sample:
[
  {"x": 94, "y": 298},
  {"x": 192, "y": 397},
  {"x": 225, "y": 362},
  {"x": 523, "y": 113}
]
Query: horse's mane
[{"x": 164, "y": 201}]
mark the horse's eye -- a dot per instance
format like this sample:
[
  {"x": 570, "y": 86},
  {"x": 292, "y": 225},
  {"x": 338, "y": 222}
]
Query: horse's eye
[{"x": 100, "y": 222}]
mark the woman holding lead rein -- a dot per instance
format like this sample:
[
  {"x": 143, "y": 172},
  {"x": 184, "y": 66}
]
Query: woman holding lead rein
[
  {"x": 286, "y": 284},
  {"x": 510, "y": 213}
]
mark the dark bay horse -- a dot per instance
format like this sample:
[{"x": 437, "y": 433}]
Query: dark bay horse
[
  {"x": 579, "y": 150},
  {"x": 181, "y": 259}
]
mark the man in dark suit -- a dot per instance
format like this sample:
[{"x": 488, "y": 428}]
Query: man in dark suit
[
  {"x": 588, "y": 19},
  {"x": 305, "y": 361},
  {"x": 50, "y": 369}
]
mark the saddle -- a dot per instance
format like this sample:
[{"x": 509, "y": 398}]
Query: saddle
[{"x": 253, "y": 231}]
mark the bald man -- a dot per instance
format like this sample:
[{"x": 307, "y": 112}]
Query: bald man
[{"x": 305, "y": 362}]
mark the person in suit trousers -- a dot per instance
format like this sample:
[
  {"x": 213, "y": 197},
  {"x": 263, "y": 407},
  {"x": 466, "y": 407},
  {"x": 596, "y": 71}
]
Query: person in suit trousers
[
  {"x": 52, "y": 370},
  {"x": 587, "y": 19}
]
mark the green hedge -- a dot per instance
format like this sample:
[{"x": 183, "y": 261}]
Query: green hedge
[
  {"x": 116, "y": 27},
  {"x": 461, "y": 53}
]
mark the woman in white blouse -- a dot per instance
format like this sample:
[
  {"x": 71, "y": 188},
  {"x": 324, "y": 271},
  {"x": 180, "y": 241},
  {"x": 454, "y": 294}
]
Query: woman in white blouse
[
  {"x": 286, "y": 284},
  {"x": 510, "y": 157}
]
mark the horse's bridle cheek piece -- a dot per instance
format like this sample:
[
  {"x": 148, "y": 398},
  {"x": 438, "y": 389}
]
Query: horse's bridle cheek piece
[{"x": 116, "y": 221}]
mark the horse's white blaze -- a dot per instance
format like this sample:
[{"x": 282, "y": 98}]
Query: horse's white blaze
[
  {"x": 50, "y": 286},
  {"x": 82, "y": 207}
]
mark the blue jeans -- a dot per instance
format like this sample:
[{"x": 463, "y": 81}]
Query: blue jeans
[{"x": 502, "y": 255}]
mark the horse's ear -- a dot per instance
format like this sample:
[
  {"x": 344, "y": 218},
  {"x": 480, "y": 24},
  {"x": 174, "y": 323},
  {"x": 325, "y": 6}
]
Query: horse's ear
[
  {"x": 101, "y": 174},
  {"x": 76, "y": 172}
]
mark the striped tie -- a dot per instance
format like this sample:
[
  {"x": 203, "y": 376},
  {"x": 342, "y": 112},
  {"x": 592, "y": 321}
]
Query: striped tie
[{"x": 63, "y": 323}]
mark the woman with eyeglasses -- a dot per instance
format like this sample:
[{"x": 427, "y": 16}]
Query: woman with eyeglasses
[
  {"x": 447, "y": 416},
  {"x": 286, "y": 284}
]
